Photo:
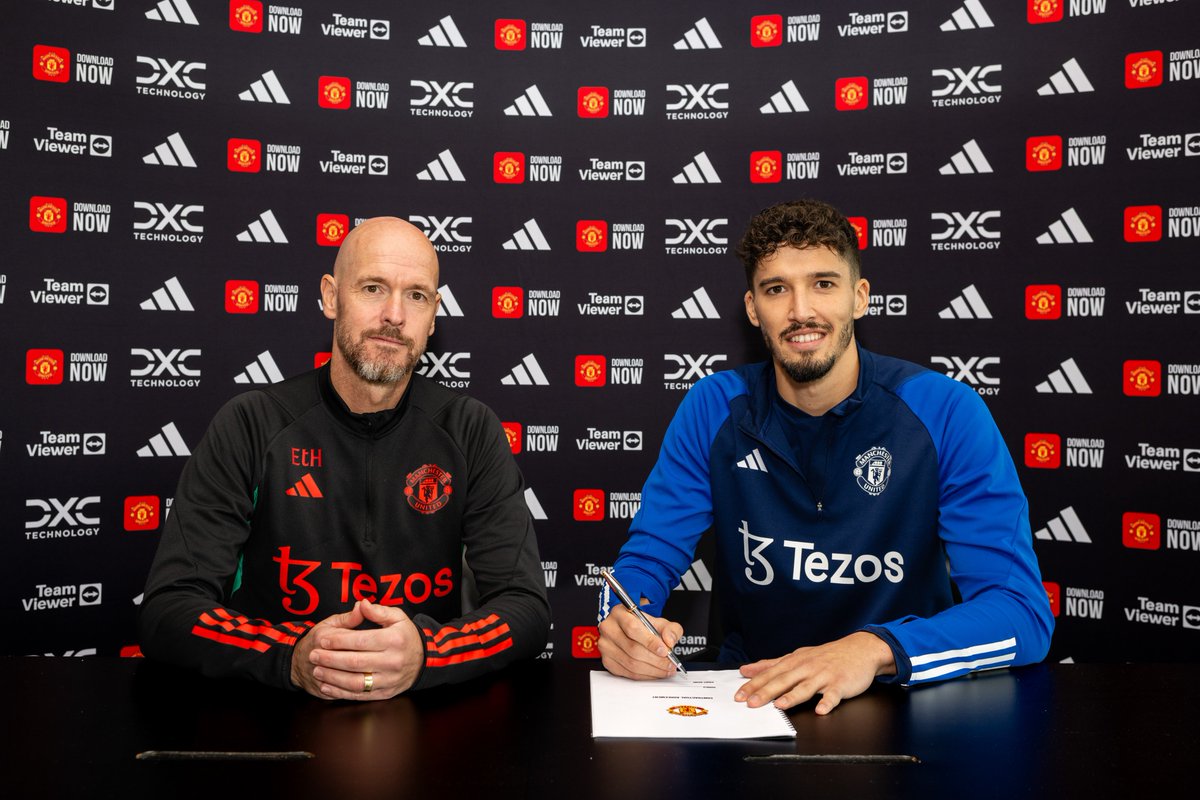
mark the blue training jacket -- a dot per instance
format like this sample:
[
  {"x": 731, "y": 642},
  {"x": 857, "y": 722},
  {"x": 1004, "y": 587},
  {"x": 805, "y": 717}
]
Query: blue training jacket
[{"x": 909, "y": 487}]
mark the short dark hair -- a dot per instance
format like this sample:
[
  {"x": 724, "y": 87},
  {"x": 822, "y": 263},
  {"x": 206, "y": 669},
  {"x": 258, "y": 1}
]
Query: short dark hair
[{"x": 800, "y": 224}]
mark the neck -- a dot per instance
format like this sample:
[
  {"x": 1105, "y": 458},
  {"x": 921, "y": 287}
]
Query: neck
[
  {"x": 362, "y": 397},
  {"x": 816, "y": 397}
]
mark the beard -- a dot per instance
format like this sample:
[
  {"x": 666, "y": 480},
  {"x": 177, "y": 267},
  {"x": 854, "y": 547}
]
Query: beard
[
  {"x": 380, "y": 371},
  {"x": 807, "y": 367}
]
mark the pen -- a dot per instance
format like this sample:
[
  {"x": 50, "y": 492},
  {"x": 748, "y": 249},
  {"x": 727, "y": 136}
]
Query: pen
[{"x": 627, "y": 601}]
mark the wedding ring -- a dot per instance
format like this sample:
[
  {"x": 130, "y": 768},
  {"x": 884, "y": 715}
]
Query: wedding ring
[{"x": 368, "y": 682}]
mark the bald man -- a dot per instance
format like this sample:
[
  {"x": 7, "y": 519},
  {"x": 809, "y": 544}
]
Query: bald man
[{"x": 319, "y": 531}]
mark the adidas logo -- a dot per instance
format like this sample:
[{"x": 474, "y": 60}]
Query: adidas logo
[
  {"x": 752, "y": 461},
  {"x": 166, "y": 443},
  {"x": 967, "y": 161},
  {"x": 535, "y": 507},
  {"x": 695, "y": 579},
  {"x": 261, "y": 370},
  {"x": 171, "y": 153},
  {"x": 698, "y": 306},
  {"x": 264, "y": 229},
  {"x": 170, "y": 297},
  {"x": 1066, "y": 527},
  {"x": 527, "y": 373},
  {"x": 1068, "y": 229},
  {"x": 265, "y": 90},
  {"x": 1067, "y": 379},
  {"x": 700, "y": 37},
  {"x": 529, "y": 104},
  {"x": 444, "y": 34},
  {"x": 968, "y": 305},
  {"x": 786, "y": 100},
  {"x": 529, "y": 237},
  {"x": 969, "y": 16},
  {"x": 700, "y": 170},
  {"x": 449, "y": 306},
  {"x": 1068, "y": 80},
  {"x": 305, "y": 487},
  {"x": 173, "y": 11},
  {"x": 442, "y": 168}
]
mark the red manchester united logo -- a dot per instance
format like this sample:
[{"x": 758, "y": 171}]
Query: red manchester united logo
[{"x": 428, "y": 488}]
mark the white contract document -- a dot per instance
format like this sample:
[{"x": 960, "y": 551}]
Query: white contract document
[{"x": 699, "y": 705}]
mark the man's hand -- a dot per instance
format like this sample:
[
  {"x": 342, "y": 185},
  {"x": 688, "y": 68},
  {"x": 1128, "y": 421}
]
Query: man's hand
[
  {"x": 333, "y": 660},
  {"x": 837, "y": 671},
  {"x": 629, "y": 650}
]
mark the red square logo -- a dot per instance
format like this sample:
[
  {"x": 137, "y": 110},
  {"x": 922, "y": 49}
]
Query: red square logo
[
  {"x": 245, "y": 155},
  {"x": 1144, "y": 70},
  {"x": 141, "y": 513},
  {"x": 510, "y": 34},
  {"x": 1140, "y": 530},
  {"x": 48, "y": 214},
  {"x": 591, "y": 236},
  {"x": 593, "y": 101},
  {"x": 850, "y": 94},
  {"x": 321, "y": 359},
  {"x": 766, "y": 166},
  {"x": 51, "y": 63},
  {"x": 1040, "y": 11},
  {"x": 246, "y": 16},
  {"x": 1054, "y": 595},
  {"x": 1043, "y": 153},
  {"x": 508, "y": 302},
  {"x": 508, "y": 167},
  {"x": 43, "y": 367},
  {"x": 512, "y": 432},
  {"x": 333, "y": 92},
  {"x": 860, "y": 230},
  {"x": 241, "y": 297},
  {"x": 1043, "y": 450},
  {"x": 1043, "y": 301},
  {"x": 589, "y": 505},
  {"x": 331, "y": 229},
  {"x": 591, "y": 370},
  {"x": 766, "y": 30},
  {"x": 585, "y": 641},
  {"x": 1143, "y": 378},
  {"x": 1143, "y": 223}
]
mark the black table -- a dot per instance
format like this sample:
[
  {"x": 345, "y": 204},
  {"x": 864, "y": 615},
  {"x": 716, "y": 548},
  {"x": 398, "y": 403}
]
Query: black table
[{"x": 73, "y": 728}]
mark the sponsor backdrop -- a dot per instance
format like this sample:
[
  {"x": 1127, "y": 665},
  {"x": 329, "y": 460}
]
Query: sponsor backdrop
[{"x": 178, "y": 174}]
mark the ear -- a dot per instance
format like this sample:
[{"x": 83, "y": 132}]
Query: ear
[
  {"x": 750, "y": 312},
  {"x": 328, "y": 297},
  {"x": 862, "y": 297}
]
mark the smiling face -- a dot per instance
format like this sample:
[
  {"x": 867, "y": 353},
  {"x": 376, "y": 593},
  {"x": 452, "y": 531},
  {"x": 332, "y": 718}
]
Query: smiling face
[{"x": 805, "y": 301}]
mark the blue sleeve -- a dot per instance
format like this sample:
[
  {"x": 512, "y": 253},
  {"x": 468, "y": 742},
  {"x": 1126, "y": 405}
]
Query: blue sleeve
[
  {"x": 676, "y": 499},
  {"x": 1004, "y": 618}
]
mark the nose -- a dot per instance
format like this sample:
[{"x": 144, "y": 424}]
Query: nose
[
  {"x": 393, "y": 310},
  {"x": 800, "y": 309}
]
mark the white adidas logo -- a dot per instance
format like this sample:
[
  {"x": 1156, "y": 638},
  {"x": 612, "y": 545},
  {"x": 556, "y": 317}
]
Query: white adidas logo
[
  {"x": 700, "y": 37},
  {"x": 171, "y": 153},
  {"x": 527, "y": 373},
  {"x": 173, "y": 11},
  {"x": 1067, "y": 379},
  {"x": 534, "y": 505},
  {"x": 1066, "y": 527},
  {"x": 698, "y": 306},
  {"x": 1068, "y": 80},
  {"x": 264, "y": 229},
  {"x": 444, "y": 34},
  {"x": 442, "y": 168},
  {"x": 969, "y": 16},
  {"x": 529, "y": 104},
  {"x": 753, "y": 461},
  {"x": 967, "y": 161},
  {"x": 968, "y": 305},
  {"x": 700, "y": 170},
  {"x": 449, "y": 306},
  {"x": 261, "y": 370},
  {"x": 785, "y": 101},
  {"x": 696, "y": 579},
  {"x": 529, "y": 237},
  {"x": 166, "y": 443},
  {"x": 1068, "y": 229},
  {"x": 265, "y": 90},
  {"x": 170, "y": 297}
]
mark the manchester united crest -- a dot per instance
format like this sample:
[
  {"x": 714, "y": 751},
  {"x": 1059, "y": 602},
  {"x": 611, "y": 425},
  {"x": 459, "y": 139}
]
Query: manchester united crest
[
  {"x": 428, "y": 488},
  {"x": 872, "y": 470}
]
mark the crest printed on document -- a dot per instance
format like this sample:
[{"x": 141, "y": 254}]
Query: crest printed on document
[{"x": 872, "y": 470}]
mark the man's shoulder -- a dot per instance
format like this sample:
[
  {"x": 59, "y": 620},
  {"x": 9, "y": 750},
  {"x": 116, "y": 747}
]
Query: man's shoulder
[{"x": 291, "y": 397}]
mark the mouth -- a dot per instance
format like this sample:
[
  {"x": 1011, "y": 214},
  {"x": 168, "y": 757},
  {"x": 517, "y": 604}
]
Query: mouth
[{"x": 805, "y": 336}]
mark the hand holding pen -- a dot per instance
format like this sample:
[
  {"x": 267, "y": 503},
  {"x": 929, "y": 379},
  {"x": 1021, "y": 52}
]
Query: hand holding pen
[{"x": 619, "y": 646}]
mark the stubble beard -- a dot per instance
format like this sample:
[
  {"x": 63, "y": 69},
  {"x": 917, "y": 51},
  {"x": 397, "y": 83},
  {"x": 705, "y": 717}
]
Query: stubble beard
[
  {"x": 381, "y": 371},
  {"x": 805, "y": 367}
]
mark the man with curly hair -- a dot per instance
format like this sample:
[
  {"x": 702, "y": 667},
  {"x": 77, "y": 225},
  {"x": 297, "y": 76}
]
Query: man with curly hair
[{"x": 868, "y": 518}]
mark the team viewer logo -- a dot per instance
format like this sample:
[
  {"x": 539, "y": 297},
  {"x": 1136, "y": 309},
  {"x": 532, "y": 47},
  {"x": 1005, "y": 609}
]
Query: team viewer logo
[
  {"x": 141, "y": 513},
  {"x": 331, "y": 229},
  {"x": 43, "y": 367},
  {"x": 48, "y": 214},
  {"x": 51, "y": 63},
  {"x": 428, "y": 488},
  {"x": 766, "y": 30},
  {"x": 850, "y": 94},
  {"x": 1143, "y": 223},
  {"x": 588, "y": 505},
  {"x": 872, "y": 470},
  {"x": 1143, "y": 378},
  {"x": 1043, "y": 301},
  {"x": 1043, "y": 450},
  {"x": 246, "y": 16},
  {"x": 1144, "y": 70},
  {"x": 1141, "y": 531}
]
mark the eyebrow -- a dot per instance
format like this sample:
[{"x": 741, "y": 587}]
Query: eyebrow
[{"x": 822, "y": 275}]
